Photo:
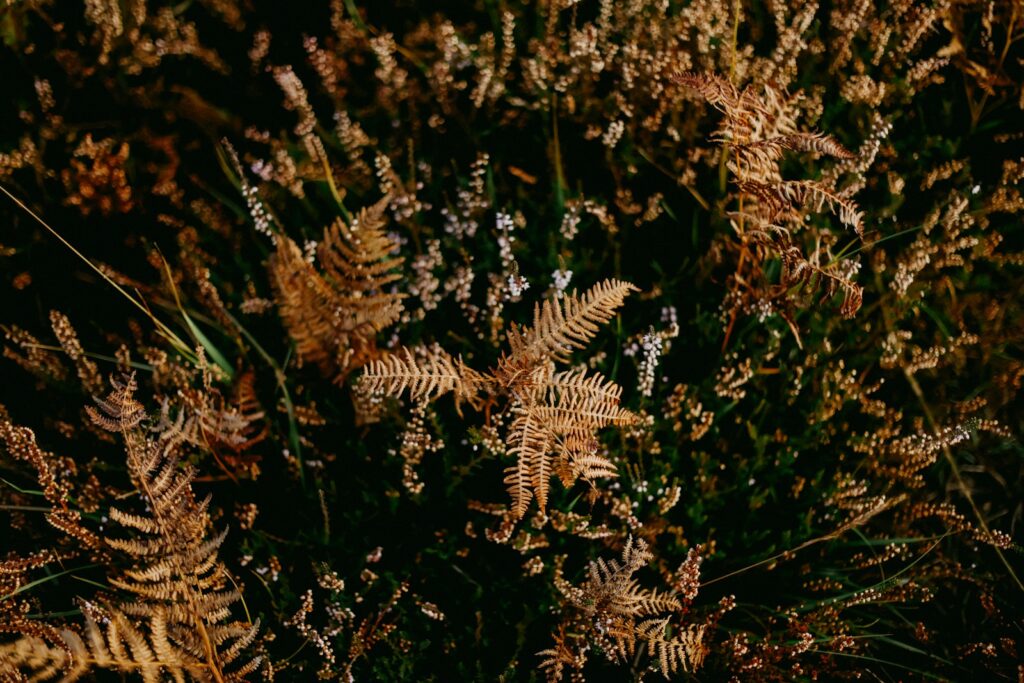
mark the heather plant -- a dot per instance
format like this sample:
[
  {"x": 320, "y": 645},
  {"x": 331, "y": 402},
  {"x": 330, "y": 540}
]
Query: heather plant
[{"x": 303, "y": 311}]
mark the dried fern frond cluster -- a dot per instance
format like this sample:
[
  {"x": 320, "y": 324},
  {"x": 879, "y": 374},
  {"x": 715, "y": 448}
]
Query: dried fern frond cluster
[
  {"x": 758, "y": 126},
  {"x": 615, "y": 615},
  {"x": 179, "y": 589},
  {"x": 554, "y": 416}
]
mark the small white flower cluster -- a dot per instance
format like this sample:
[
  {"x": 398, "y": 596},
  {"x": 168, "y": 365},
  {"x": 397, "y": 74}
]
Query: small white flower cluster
[
  {"x": 571, "y": 221},
  {"x": 258, "y": 212},
  {"x": 469, "y": 203},
  {"x": 515, "y": 284},
  {"x": 425, "y": 284},
  {"x": 561, "y": 278},
  {"x": 652, "y": 345},
  {"x": 613, "y": 134},
  {"x": 309, "y": 251}
]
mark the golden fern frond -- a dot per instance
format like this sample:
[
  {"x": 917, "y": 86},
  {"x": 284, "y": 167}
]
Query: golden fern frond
[
  {"x": 529, "y": 441},
  {"x": 334, "y": 315},
  {"x": 608, "y": 608},
  {"x": 552, "y": 412},
  {"x": 358, "y": 259},
  {"x": 577, "y": 403},
  {"x": 114, "y": 640},
  {"x": 119, "y": 411},
  {"x": 177, "y": 580},
  {"x": 784, "y": 195},
  {"x": 305, "y": 303},
  {"x": 425, "y": 375},
  {"x": 560, "y": 656},
  {"x": 559, "y": 325},
  {"x": 719, "y": 92},
  {"x": 610, "y": 584},
  {"x": 652, "y": 602},
  {"x": 819, "y": 195},
  {"x": 578, "y": 384},
  {"x": 746, "y": 115},
  {"x": 574, "y": 407},
  {"x": 683, "y": 652},
  {"x": 578, "y": 459},
  {"x": 821, "y": 143}
]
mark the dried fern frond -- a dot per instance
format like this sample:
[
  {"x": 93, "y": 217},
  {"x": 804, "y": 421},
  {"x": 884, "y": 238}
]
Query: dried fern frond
[
  {"x": 804, "y": 142},
  {"x": 305, "y": 302},
  {"x": 112, "y": 640},
  {"x": 178, "y": 581},
  {"x": 683, "y": 652},
  {"x": 757, "y": 134},
  {"x": 427, "y": 374},
  {"x": 334, "y": 315},
  {"x": 721, "y": 94},
  {"x": 119, "y": 411},
  {"x": 612, "y": 611},
  {"x": 817, "y": 195},
  {"x": 556, "y": 418},
  {"x": 555, "y": 415},
  {"x": 360, "y": 258},
  {"x": 559, "y": 325},
  {"x": 529, "y": 442}
]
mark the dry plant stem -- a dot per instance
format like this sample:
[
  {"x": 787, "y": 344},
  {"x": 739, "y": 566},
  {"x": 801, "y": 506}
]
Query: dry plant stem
[
  {"x": 852, "y": 524},
  {"x": 964, "y": 489},
  {"x": 947, "y": 453},
  {"x": 165, "y": 331},
  {"x": 978, "y": 109}
]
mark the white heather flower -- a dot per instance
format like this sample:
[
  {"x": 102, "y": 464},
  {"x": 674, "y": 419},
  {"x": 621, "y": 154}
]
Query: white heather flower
[
  {"x": 309, "y": 251},
  {"x": 517, "y": 284},
  {"x": 613, "y": 134},
  {"x": 652, "y": 346},
  {"x": 561, "y": 278}
]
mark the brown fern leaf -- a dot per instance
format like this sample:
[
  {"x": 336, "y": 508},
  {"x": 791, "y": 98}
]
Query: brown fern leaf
[
  {"x": 684, "y": 652},
  {"x": 431, "y": 375},
  {"x": 359, "y": 259},
  {"x": 555, "y": 415},
  {"x": 788, "y": 194},
  {"x": 560, "y": 325},
  {"x": 529, "y": 441},
  {"x": 560, "y": 656},
  {"x": 580, "y": 404},
  {"x": 578, "y": 458},
  {"x": 334, "y": 316},
  {"x": 559, "y": 413},
  {"x": 821, "y": 143},
  {"x": 819, "y": 195},
  {"x": 178, "y": 582},
  {"x": 613, "y": 612},
  {"x": 111, "y": 640},
  {"x": 306, "y": 304},
  {"x": 119, "y": 411},
  {"x": 718, "y": 92}
]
